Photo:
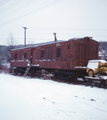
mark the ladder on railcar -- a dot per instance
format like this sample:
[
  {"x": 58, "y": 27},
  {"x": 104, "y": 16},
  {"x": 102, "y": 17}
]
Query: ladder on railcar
[{"x": 27, "y": 70}]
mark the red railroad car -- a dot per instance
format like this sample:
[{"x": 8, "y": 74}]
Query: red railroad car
[{"x": 63, "y": 58}]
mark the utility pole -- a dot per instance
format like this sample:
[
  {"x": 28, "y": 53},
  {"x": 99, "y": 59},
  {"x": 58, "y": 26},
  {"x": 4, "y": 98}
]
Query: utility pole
[{"x": 25, "y": 36}]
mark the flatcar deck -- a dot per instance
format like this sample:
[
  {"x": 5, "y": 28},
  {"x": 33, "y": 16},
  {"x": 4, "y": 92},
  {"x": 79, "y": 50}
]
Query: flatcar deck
[{"x": 101, "y": 80}]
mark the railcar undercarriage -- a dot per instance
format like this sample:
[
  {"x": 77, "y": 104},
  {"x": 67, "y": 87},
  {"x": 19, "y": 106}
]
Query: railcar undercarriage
[
  {"x": 74, "y": 77},
  {"x": 69, "y": 75}
]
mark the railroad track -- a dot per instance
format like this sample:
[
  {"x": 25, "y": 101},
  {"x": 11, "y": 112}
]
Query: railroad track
[{"x": 100, "y": 83}]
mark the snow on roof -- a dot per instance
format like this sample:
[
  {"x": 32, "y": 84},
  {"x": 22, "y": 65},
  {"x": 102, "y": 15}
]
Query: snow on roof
[
  {"x": 93, "y": 61},
  {"x": 39, "y": 44},
  {"x": 93, "y": 64},
  {"x": 51, "y": 42},
  {"x": 80, "y": 38}
]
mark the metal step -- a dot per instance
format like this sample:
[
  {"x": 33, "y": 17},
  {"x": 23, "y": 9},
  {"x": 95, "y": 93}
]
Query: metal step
[{"x": 27, "y": 70}]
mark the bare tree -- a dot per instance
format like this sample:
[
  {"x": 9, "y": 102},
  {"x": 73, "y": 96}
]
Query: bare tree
[
  {"x": 1, "y": 55},
  {"x": 11, "y": 45},
  {"x": 11, "y": 41},
  {"x": 103, "y": 50},
  {"x": 3, "y": 49},
  {"x": 31, "y": 41}
]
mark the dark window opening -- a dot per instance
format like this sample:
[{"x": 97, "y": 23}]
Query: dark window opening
[
  {"x": 48, "y": 52},
  {"x": 25, "y": 55},
  {"x": 68, "y": 46},
  {"x": 58, "y": 52},
  {"x": 15, "y": 56},
  {"x": 42, "y": 54}
]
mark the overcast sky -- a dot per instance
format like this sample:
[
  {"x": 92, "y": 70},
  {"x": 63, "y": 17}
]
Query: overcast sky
[{"x": 68, "y": 18}]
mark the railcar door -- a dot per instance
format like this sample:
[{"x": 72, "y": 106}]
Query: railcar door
[
  {"x": 65, "y": 56},
  {"x": 80, "y": 54}
]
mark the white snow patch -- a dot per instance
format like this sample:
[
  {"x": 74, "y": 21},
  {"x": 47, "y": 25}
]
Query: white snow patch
[
  {"x": 35, "y": 99},
  {"x": 93, "y": 65},
  {"x": 80, "y": 67},
  {"x": 7, "y": 65}
]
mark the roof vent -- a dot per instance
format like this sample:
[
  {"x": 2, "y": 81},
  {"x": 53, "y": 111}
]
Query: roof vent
[{"x": 55, "y": 39}]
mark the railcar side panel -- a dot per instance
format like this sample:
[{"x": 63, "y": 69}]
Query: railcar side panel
[
  {"x": 83, "y": 50},
  {"x": 71, "y": 56},
  {"x": 53, "y": 56},
  {"x": 20, "y": 57},
  {"x": 68, "y": 55}
]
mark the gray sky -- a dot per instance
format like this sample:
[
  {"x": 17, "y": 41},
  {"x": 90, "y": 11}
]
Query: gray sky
[{"x": 68, "y": 18}]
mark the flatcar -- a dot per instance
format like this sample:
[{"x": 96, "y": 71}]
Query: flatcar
[{"x": 65, "y": 59}]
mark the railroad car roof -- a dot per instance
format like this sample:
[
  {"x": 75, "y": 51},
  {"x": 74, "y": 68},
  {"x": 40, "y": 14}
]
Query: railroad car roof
[
  {"x": 39, "y": 44},
  {"x": 51, "y": 42}
]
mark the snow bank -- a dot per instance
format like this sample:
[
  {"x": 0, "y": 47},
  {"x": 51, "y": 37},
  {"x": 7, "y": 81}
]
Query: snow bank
[
  {"x": 7, "y": 65},
  {"x": 35, "y": 99}
]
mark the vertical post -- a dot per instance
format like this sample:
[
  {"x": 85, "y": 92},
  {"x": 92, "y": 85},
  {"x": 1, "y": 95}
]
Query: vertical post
[
  {"x": 55, "y": 39},
  {"x": 25, "y": 36}
]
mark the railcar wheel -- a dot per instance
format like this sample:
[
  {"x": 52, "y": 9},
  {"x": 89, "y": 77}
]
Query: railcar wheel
[{"x": 91, "y": 73}]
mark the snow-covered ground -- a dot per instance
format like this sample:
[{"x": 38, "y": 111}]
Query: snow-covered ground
[{"x": 35, "y": 99}]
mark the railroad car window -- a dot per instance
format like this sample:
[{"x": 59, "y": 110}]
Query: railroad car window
[
  {"x": 15, "y": 56},
  {"x": 48, "y": 49},
  {"x": 68, "y": 46},
  {"x": 42, "y": 54},
  {"x": 25, "y": 55},
  {"x": 58, "y": 52}
]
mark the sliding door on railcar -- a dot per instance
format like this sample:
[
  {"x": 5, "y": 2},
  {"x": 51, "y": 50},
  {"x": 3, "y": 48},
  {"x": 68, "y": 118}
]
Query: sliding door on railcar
[{"x": 80, "y": 54}]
